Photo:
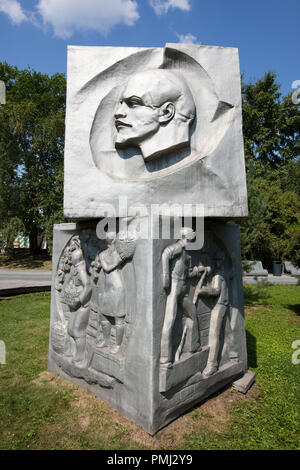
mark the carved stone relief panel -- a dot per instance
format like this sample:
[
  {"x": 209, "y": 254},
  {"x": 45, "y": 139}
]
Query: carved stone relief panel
[
  {"x": 92, "y": 283},
  {"x": 148, "y": 325},
  {"x": 196, "y": 335}
]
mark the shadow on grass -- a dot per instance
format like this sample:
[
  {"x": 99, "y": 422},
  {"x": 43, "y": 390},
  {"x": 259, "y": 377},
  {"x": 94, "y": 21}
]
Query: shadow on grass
[
  {"x": 256, "y": 293},
  {"x": 24, "y": 260},
  {"x": 251, "y": 350},
  {"x": 295, "y": 308}
]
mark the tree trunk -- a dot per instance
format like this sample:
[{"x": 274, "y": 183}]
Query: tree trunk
[{"x": 33, "y": 241}]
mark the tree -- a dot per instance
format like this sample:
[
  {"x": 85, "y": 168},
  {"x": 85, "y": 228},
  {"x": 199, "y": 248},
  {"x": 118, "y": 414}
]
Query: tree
[
  {"x": 292, "y": 251},
  {"x": 272, "y": 148},
  {"x": 31, "y": 148},
  {"x": 8, "y": 232},
  {"x": 271, "y": 125}
]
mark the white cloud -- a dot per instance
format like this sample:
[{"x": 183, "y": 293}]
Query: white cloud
[
  {"x": 68, "y": 16},
  {"x": 163, "y": 6},
  {"x": 187, "y": 38},
  {"x": 13, "y": 9}
]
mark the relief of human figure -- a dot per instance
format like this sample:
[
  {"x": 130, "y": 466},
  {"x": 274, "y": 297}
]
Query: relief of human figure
[
  {"x": 155, "y": 112},
  {"x": 112, "y": 300},
  {"x": 217, "y": 287},
  {"x": 59, "y": 328},
  {"x": 180, "y": 271},
  {"x": 77, "y": 296}
]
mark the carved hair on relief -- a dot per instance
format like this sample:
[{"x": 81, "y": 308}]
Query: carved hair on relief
[{"x": 155, "y": 118}]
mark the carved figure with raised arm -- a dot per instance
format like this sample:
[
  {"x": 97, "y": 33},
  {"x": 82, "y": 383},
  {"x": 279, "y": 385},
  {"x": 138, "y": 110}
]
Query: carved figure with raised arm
[{"x": 176, "y": 269}]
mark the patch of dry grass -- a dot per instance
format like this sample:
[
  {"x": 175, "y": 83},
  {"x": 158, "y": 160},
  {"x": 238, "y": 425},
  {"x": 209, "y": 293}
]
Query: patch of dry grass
[
  {"x": 25, "y": 260},
  {"x": 104, "y": 426}
]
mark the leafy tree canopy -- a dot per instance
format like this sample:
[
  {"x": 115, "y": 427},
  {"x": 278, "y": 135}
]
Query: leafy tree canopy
[
  {"x": 31, "y": 148},
  {"x": 272, "y": 149}
]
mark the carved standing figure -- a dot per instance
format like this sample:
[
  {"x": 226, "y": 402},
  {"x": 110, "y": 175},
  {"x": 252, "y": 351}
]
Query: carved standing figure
[
  {"x": 112, "y": 301},
  {"x": 77, "y": 295},
  {"x": 217, "y": 287},
  {"x": 180, "y": 271}
]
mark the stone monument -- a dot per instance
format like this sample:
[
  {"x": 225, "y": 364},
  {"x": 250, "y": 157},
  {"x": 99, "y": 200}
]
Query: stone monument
[{"x": 147, "y": 299}]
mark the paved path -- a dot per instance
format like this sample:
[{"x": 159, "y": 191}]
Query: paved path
[
  {"x": 284, "y": 279},
  {"x": 22, "y": 281},
  {"x": 14, "y": 281}
]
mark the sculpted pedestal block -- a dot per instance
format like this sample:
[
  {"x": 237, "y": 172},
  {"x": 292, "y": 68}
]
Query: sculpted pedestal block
[
  {"x": 154, "y": 126},
  {"x": 151, "y": 325},
  {"x": 148, "y": 325}
]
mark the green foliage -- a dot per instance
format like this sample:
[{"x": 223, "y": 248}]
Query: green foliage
[
  {"x": 273, "y": 222},
  {"x": 269, "y": 420},
  {"x": 257, "y": 293},
  {"x": 246, "y": 266},
  {"x": 55, "y": 218},
  {"x": 272, "y": 149},
  {"x": 292, "y": 251},
  {"x": 271, "y": 125},
  {"x": 31, "y": 162},
  {"x": 9, "y": 230},
  {"x": 31, "y": 148}
]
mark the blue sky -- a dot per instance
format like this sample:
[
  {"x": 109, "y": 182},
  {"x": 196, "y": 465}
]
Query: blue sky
[{"x": 36, "y": 33}]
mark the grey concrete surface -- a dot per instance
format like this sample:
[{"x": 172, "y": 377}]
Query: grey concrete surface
[
  {"x": 272, "y": 279},
  {"x": 90, "y": 284},
  {"x": 257, "y": 269},
  {"x": 245, "y": 382},
  {"x": 108, "y": 157},
  {"x": 13, "y": 281}
]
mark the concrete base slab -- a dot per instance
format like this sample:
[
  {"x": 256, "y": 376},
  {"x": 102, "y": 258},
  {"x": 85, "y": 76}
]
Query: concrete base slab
[
  {"x": 243, "y": 384},
  {"x": 187, "y": 366}
]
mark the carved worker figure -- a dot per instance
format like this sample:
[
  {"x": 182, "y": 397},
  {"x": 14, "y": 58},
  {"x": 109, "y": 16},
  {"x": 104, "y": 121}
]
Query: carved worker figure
[
  {"x": 155, "y": 111},
  {"x": 112, "y": 301},
  {"x": 77, "y": 295},
  {"x": 218, "y": 287},
  {"x": 180, "y": 271}
]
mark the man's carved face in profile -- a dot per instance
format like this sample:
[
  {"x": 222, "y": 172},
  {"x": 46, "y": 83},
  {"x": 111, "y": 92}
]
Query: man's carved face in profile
[{"x": 154, "y": 113}]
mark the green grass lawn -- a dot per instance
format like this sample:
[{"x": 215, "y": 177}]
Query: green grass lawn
[{"x": 41, "y": 411}]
